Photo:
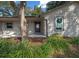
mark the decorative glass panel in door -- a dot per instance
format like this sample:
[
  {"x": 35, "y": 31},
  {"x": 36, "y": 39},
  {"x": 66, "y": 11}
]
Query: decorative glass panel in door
[{"x": 37, "y": 26}]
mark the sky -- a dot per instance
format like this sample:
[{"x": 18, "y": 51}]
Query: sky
[
  {"x": 31, "y": 4},
  {"x": 39, "y": 3}
]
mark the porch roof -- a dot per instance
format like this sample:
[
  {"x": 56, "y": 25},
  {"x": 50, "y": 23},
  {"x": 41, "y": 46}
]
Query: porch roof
[
  {"x": 33, "y": 18},
  {"x": 16, "y": 18},
  {"x": 6, "y": 19}
]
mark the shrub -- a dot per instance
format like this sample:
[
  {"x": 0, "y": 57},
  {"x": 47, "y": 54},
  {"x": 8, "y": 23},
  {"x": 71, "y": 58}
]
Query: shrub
[
  {"x": 8, "y": 49},
  {"x": 59, "y": 45},
  {"x": 42, "y": 51},
  {"x": 75, "y": 40},
  {"x": 22, "y": 49},
  {"x": 57, "y": 42}
]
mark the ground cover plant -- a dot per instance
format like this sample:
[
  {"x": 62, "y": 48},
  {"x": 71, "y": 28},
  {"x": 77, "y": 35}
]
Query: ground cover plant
[{"x": 55, "y": 46}]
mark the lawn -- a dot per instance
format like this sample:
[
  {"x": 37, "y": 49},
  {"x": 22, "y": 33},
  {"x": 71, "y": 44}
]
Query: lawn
[{"x": 55, "y": 46}]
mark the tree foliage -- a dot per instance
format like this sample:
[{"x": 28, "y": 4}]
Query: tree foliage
[
  {"x": 10, "y": 8},
  {"x": 29, "y": 12},
  {"x": 53, "y": 4},
  {"x": 37, "y": 11}
]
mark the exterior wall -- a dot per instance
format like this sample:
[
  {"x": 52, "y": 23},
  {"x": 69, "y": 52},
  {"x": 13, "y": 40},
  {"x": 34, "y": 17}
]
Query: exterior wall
[
  {"x": 14, "y": 32},
  {"x": 70, "y": 13},
  {"x": 30, "y": 27}
]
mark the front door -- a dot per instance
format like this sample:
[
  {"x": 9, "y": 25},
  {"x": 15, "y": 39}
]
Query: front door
[{"x": 37, "y": 26}]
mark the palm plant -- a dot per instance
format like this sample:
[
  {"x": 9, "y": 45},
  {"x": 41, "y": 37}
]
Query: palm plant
[{"x": 8, "y": 8}]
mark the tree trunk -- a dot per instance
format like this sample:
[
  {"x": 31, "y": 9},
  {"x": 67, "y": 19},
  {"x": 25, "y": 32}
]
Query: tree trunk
[{"x": 23, "y": 21}]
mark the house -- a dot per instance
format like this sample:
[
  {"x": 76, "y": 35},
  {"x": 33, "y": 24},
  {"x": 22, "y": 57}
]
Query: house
[{"x": 63, "y": 20}]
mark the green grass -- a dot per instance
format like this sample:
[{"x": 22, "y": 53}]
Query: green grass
[{"x": 55, "y": 46}]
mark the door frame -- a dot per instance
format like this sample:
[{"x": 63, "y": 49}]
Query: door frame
[{"x": 37, "y": 30}]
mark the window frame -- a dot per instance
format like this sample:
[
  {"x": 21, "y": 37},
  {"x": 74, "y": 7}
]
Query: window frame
[
  {"x": 9, "y": 25},
  {"x": 62, "y": 28}
]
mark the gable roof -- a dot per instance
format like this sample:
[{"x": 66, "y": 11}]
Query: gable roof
[{"x": 61, "y": 6}]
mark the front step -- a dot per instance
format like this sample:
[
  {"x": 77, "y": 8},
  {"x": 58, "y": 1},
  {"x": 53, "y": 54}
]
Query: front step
[{"x": 37, "y": 39}]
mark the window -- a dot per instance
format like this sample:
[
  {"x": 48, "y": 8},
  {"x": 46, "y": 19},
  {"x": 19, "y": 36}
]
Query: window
[
  {"x": 9, "y": 25},
  {"x": 1, "y": 14},
  {"x": 59, "y": 23}
]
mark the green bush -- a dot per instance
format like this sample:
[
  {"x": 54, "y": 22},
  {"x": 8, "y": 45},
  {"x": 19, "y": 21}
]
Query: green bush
[
  {"x": 42, "y": 51},
  {"x": 8, "y": 49},
  {"x": 57, "y": 42},
  {"x": 75, "y": 40}
]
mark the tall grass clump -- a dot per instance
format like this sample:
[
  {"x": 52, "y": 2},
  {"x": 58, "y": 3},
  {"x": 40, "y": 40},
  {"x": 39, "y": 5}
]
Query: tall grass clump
[
  {"x": 57, "y": 42},
  {"x": 9, "y": 49},
  {"x": 42, "y": 51},
  {"x": 54, "y": 45},
  {"x": 75, "y": 41},
  {"x": 4, "y": 48},
  {"x": 22, "y": 49},
  {"x": 59, "y": 45}
]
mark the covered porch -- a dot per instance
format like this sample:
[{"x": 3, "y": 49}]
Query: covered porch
[{"x": 36, "y": 27}]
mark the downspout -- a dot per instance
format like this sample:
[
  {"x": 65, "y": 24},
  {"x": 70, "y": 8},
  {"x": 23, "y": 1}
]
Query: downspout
[{"x": 46, "y": 28}]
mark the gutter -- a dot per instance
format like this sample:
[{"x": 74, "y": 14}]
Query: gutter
[
  {"x": 54, "y": 9},
  {"x": 46, "y": 28}
]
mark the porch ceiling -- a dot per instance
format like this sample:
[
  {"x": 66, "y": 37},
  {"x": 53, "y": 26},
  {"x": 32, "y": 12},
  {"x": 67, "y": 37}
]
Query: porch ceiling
[{"x": 34, "y": 18}]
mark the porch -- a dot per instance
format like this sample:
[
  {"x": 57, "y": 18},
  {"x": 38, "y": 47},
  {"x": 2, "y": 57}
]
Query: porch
[
  {"x": 37, "y": 36},
  {"x": 37, "y": 28}
]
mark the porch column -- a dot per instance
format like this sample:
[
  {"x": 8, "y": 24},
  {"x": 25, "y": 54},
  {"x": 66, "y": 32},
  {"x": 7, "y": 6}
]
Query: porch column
[
  {"x": 45, "y": 28},
  {"x": 1, "y": 30}
]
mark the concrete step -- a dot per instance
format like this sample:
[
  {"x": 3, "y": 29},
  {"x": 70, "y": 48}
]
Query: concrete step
[{"x": 36, "y": 39}]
